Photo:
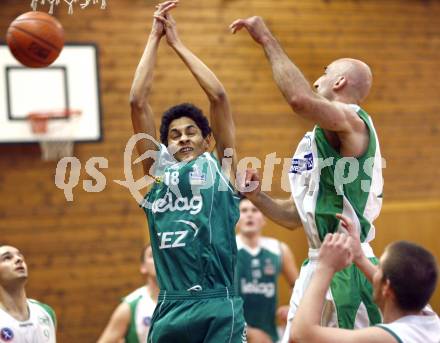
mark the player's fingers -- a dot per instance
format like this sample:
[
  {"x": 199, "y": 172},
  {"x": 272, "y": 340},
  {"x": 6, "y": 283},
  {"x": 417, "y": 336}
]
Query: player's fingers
[
  {"x": 166, "y": 3},
  {"x": 251, "y": 175},
  {"x": 163, "y": 6},
  {"x": 162, "y": 20},
  {"x": 346, "y": 223},
  {"x": 328, "y": 238},
  {"x": 234, "y": 23},
  {"x": 167, "y": 8}
]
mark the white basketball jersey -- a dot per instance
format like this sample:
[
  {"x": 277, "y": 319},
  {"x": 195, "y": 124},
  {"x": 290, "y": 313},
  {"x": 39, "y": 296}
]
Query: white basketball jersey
[
  {"x": 39, "y": 328},
  {"x": 324, "y": 183},
  {"x": 142, "y": 307},
  {"x": 416, "y": 329}
]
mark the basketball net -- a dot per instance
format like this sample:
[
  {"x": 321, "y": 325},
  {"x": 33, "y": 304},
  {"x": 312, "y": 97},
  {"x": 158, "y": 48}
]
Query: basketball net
[
  {"x": 53, "y": 3},
  {"x": 51, "y": 149}
]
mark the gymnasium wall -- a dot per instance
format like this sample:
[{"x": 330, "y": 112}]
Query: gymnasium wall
[{"x": 83, "y": 255}]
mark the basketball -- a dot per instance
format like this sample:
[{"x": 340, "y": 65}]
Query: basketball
[{"x": 35, "y": 39}]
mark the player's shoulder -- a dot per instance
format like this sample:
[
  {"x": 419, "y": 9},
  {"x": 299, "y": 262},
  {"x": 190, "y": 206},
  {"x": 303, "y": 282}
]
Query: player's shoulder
[
  {"x": 135, "y": 295},
  {"x": 35, "y": 304},
  {"x": 271, "y": 244}
]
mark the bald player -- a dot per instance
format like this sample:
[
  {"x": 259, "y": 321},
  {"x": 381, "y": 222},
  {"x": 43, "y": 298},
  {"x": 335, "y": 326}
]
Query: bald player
[{"x": 336, "y": 169}]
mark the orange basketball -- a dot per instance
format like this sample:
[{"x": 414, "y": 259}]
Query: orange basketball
[{"x": 35, "y": 39}]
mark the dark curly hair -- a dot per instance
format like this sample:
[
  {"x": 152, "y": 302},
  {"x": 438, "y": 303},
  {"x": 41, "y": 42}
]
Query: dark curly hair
[{"x": 183, "y": 110}]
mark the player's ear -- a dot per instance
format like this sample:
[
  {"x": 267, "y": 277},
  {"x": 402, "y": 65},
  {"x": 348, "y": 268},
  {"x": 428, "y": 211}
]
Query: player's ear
[
  {"x": 387, "y": 291},
  {"x": 143, "y": 269},
  {"x": 208, "y": 140},
  {"x": 340, "y": 83}
]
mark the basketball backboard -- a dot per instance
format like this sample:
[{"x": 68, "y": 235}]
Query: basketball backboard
[{"x": 70, "y": 83}]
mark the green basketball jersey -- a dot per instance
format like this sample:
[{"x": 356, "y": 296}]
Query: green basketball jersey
[
  {"x": 257, "y": 277},
  {"x": 192, "y": 214}
]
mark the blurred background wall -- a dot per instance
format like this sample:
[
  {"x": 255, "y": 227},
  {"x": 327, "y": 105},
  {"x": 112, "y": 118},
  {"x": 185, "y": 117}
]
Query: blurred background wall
[{"x": 83, "y": 255}]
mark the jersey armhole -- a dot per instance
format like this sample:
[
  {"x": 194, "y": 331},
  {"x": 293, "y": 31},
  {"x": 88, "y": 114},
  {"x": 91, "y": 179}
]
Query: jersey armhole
[
  {"x": 391, "y": 332},
  {"x": 131, "y": 330}
]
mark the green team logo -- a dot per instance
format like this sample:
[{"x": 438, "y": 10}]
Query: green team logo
[{"x": 44, "y": 320}]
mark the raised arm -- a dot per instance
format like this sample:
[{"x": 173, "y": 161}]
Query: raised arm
[
  {"x": 335, "y": 254},
  {"x": 281, "y": 211},
  {"x": 221, "y": 117},
  {"x": 330, "y": 115},
  {"x": 141, "y": 113},
  {"x": 359, "y": 258}
]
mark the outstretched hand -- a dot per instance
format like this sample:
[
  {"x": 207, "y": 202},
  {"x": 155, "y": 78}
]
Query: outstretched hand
[
  {"x": 348, "y": 225},
  {"x": 254, "y": 25},
  {"x": 169, "y": 24},
  {"x": 158, "y": 27},
  {"x": 249, "y": 183},
  {"x": 336, "y": 252}
]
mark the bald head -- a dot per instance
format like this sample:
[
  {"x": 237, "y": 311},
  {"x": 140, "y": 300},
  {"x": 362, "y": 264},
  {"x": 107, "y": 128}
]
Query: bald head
[{"x": 357, "y": 74}]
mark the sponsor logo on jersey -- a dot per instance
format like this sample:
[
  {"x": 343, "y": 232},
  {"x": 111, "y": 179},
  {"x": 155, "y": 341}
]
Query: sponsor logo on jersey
[
  {"x": 300, "y": 165},
  {"x": 255, "y": 263},
  {"x": 44, "y": 320},
  {"x": 193, "y": 205},
  {"x": 256, "y": 273},
  {"x": 6, "y": 334},
  {"x": 262, "y": 288},
  {"x": 269, "y": 268},
  {"x": 172, "y": 239},
  {"x": 196, "y": 177},
  {"x": 146, "y": 321},
  {"x": 46, "y": 334}
]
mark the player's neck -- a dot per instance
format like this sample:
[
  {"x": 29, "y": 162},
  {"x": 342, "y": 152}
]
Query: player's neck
[
  {"x": 251, "y": 240},
  {"x": 153, "y": 287},
  {"x": 391, "y": 313},
  {"x": 13, "y": 301},
  {"x": 346, "y": 99}
]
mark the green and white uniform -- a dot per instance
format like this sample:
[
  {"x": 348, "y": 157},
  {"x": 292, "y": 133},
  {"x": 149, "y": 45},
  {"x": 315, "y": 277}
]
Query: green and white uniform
[
  {"x": 324, "y": 183},
  {"x": 141, "y": 309},
  {"x": 423, "y": 328},
  {"x": 192, "y": 214},
  {"x": 257, "y": 277},
  {"x": 39, "y": 328}
]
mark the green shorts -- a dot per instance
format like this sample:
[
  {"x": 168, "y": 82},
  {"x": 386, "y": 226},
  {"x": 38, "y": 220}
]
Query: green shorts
[{"x": 208, "y": 316}]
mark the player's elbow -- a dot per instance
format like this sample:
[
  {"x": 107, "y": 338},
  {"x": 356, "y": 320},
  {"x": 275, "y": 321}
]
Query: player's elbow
[
  {"x": 305, "y": 332},
  {"x": 298, "y": 334},
  {"x": 299, "y": 102},
  {"x": 218, "y": 95},
  {"x": 137, "y": 103}
]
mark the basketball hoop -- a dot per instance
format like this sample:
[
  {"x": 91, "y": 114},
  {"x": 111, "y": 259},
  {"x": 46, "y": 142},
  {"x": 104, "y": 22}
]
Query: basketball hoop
[
  {"x": 54, "y": 148},
  {"x": 52, "y": 3}
]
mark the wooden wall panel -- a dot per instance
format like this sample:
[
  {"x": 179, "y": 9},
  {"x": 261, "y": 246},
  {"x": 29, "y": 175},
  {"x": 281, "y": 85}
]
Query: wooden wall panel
[{"x": 83, "y": 255}]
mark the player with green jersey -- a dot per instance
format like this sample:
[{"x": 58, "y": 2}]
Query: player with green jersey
[
  {"x": 260, "y": 262},
  {"x": 191, "y": 208},
  {"x": 21, "y": 319},
  {"x": 336, "y": 168}
]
